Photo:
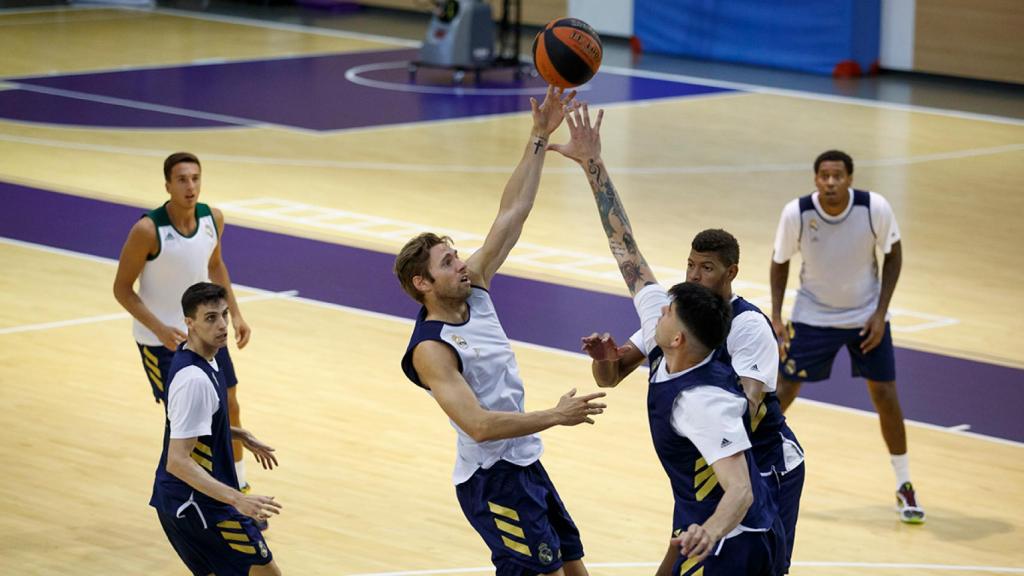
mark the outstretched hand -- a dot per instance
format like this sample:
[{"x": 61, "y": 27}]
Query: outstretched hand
[
  {"x": 574, "y": 410},
  {"x": 601, "y": 347},
  {"x": 584, "y": 138},
  {"x": 548, "y": 115},
  {"x": 263, "y": 452}
]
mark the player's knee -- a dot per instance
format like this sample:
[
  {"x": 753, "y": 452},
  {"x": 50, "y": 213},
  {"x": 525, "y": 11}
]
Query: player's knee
[{"x": 883, "y": 391}]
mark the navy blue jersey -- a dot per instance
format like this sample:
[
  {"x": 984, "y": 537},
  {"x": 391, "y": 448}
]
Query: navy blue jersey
[
  {"x": 694, "y": 485},
  {"x": 212, "y": 452},
  {"x": 768, "y": 426}
]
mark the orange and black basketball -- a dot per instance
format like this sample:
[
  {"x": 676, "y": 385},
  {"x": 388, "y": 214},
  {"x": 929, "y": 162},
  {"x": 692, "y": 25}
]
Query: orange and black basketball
[{"x": 567, "y": 52}]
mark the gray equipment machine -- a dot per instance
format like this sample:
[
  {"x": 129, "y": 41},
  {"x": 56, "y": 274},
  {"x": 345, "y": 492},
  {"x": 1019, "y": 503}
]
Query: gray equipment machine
[{"x": 461, "y": 37}]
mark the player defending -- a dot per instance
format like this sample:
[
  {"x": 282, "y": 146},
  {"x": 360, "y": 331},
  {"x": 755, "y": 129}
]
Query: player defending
[
  {"x": 460, "y": 354},
  {"x": 169, "y": 249},
  {"x": 752, "y": 351},
  {"x": 841, "y": 302},
  {"x": 724, "y": 520},
  {"x": 208, "y": 521}
]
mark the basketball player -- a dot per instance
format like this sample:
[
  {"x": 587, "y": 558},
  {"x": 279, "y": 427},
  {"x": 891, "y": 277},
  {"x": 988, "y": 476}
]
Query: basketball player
[
  {"x": 208, "y": 521},
  {"x": 752, "y": 351},
  {"x": 724, "y": 520},
  {"x": 841, "y": 301},
  {"x": 169, "y": 249},
  {"x": 460, "y": 354}
]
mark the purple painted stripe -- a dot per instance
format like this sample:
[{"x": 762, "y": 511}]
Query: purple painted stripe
[
  {"x": 28, "y": 106},
  {"x": 934, "y": 388},
  {"x": 312, "y": 92}
]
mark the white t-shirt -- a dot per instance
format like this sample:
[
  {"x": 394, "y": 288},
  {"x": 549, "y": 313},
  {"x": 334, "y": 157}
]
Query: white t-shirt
[
  {"x": 706, "y": 415},
  {"x": 839, "y": 283},
  {"x": 752, "y": 346},
  {"x": 191, "y": 403}
]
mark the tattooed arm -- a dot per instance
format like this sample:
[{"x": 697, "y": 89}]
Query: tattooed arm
[
  {"x": 520, "y": 191},
  {"x": 584, "y": 147}
]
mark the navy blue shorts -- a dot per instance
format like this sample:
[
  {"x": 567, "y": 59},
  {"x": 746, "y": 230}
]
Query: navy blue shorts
[
  {"x": 518, "y": 513},
  {"x": 786, "y": 491},
  {"x": 156, "y": 361},
  {"x": 747, "y": 553},
  {"x": 808, "y": 356},
  {"x": 226, "y": 545}
]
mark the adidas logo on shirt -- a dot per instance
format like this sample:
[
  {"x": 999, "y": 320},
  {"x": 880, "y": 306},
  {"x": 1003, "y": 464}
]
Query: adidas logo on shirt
[{"x": 725, "y": 443}]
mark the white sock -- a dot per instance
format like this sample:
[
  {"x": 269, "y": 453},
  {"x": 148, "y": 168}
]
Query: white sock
[
  {"x": 240, "y": 472},
  {"x": 901, "y": 466}
]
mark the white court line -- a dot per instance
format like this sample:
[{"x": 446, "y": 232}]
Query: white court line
[
  {"x": 136, "y": 104},
  {"x": 577, "y": 355},
  {"x": 289, "y": 27},
  {"x": 612, "y": 565},
  {"x": 124, "y": 315}
]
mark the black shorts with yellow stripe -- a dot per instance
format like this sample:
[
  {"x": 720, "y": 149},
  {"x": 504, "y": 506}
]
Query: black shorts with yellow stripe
[
  {"x": 518, "y": 512},
  {"x": 156, "y": 361},
  {"x": 225, "y": 545}
]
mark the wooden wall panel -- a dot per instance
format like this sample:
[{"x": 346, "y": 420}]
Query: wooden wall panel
[{"x": 976, "y": 39}]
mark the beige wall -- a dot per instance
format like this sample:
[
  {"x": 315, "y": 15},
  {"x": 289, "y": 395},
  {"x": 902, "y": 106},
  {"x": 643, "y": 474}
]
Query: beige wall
[
  {"x": 536, "y": 12},
  {"x": 975, "y": 38}
]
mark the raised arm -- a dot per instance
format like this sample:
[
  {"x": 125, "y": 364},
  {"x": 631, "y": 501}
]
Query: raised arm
[
  {"x": 218, "y": 272},
  {"x": 437, "y": 368},
  {"x": 610, "y": 363},
  {"x": 520, "y": 191},
  {"x": 584, "y": 147}
]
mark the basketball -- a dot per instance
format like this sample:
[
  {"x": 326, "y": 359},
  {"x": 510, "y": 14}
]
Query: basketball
[{"x": 567, "y": 52}]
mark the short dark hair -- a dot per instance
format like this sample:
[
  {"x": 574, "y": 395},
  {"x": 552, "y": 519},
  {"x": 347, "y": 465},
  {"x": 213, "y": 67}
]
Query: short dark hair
[
  {"x": 723, "y": 244},
  {"x": 704, "y": 313},
  {"x": 414, "y": 260},
  {"x": 834, "y": 156},
  {"x": 178, "y": 158},
  {"x": 201, "y": 293}
]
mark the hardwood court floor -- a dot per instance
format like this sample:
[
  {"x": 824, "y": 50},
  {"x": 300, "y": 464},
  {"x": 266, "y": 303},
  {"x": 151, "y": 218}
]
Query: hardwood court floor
[{"x": 365, "y": 457}]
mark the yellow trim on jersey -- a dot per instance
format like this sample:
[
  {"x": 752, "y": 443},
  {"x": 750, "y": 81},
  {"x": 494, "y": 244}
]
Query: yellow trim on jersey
[
  {"x": 706, "y": 488},
  {"x": 690, "y": 563},
  {"x": 701, "y": 463},
  {"x": 511, "y": 529},
  {"x": 516, "y": 546},
  {"x": 203, "y": 448},
  {"x": 243, "y": 548},
  {"x": 702, "y": 476},
  {"x": 235, "y": 536},
  {"x": 202, "y": 461},
  {"x": 229, "y": 524},
  {"x": 503, "y": 511},
  {"x": 156, "y": 381},
  {"x": 762, "y": 411},
  {"x": 149, "y": 355}
]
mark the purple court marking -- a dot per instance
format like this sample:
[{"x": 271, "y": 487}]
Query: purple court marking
[
  {"x": 933, "y": 388},
  {"x": 29, "y": 106},
  {"x": 312, "y": 92}
]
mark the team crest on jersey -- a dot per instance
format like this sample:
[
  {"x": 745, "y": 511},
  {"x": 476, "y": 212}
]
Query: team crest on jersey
[
  {"x": 263, "y": 549},
  {"x": 544, "y": 553},
  {"x": 790, "y": 366},
  {"x": 209, "y": 230},
  {"x": 813, "y": 224},
  {"x": 460, "y": 341}
]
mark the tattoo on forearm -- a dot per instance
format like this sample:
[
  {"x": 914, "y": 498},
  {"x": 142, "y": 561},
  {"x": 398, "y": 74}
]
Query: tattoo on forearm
[
  {"x": 618, "y": 229},
  {"x": 539, "y": 144}
]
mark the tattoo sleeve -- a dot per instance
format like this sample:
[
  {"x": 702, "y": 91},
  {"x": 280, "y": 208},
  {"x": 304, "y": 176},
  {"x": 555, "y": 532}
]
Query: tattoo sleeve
[{"x": 617, "y": 228}]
